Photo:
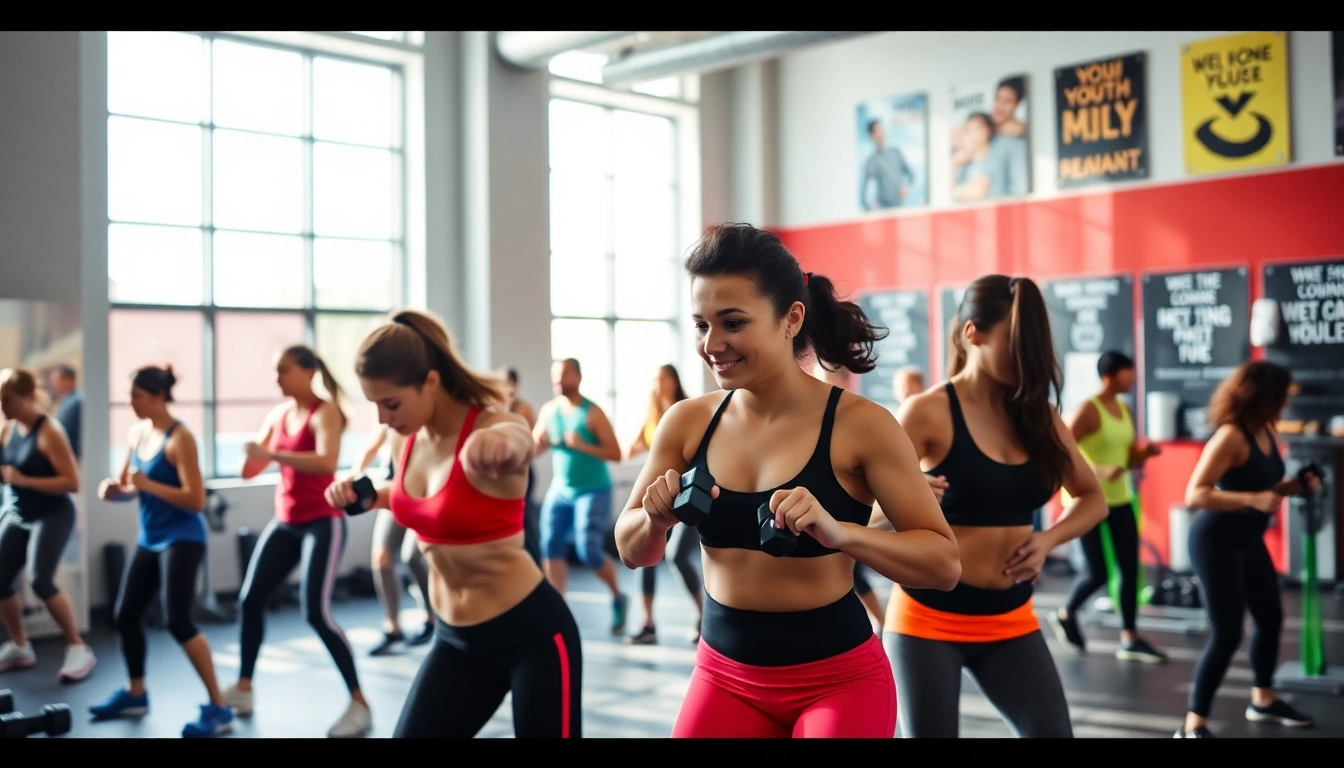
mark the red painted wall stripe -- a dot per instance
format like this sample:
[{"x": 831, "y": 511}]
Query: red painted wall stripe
[{"x": 564, "y": 685}]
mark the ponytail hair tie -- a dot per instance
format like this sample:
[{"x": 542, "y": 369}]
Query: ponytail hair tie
[{"x": 807, "y": 278}]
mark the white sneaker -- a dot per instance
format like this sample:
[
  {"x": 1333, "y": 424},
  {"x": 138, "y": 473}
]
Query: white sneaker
[
  {"x": 14, "y": 657},
  {"x": 241, "y": 701},
  {"x": 79, "y": 662},
  {"x": 356, "y": 722}
]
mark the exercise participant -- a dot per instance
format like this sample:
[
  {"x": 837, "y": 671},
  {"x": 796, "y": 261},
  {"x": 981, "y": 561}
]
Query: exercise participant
[
  {"x": 39, "y": 472},
  {"x": 163, "y": 471},
  {"x": 667, "y": 392},
  {"x": 303, "y": 436},
  {"x": 993, "y": 432},
  {"x": 392, "y": 546},
  {"x": 69, "y": 406},
  {"x": 787, "y": 648},
  {"x": 502, "y": 628},
  {"x": 531, "y": 521},
  {"x": 579, "y": 499},
  {"x": 1104, "y": 430},
  {"x": 1237, "y": 485}
]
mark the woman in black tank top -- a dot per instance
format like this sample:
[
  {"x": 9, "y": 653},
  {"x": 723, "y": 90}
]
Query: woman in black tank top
[
  {"x": 786, "y": 647},
  {"x": 1237, "y": 485}
]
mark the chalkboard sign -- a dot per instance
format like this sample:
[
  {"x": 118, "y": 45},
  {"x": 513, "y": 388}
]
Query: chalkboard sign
[
  {"x": 1196, "y": 331},
  {"x": 905, "y": 314},
  {"x": 1310, "y": 339},
  {"x": 1088, "y": 316},
  {"x": 949, "y": 299}
]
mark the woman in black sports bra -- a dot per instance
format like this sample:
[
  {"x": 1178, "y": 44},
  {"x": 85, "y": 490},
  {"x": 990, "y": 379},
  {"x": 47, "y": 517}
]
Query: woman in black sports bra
[
  {"x": 993, "y": 432},
  {"x": 1237, "y": 485},
  {"x": 787, "y": 649}
]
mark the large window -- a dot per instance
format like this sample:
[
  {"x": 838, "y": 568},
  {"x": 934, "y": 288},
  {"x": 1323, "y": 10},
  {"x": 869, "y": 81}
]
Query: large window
[
  {"x": 616, "y": 284},
  {"x": 255, "y": 201}
]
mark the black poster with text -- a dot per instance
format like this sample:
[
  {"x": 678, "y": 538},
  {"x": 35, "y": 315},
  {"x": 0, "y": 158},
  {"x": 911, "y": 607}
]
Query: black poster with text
[
  {"x": 949, "y": 300},
  {"x": 1101, "y": 121},
  {"x": 1310, "y": 338},
  {"x": 1196, "y": 331},
  {"x": 905, "y": 315},
  {"x": 1088, "y": 316}
]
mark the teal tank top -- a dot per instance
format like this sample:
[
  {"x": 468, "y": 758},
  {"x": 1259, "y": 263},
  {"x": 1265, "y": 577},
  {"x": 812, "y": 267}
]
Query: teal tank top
[{"x": 570, "y": 469}]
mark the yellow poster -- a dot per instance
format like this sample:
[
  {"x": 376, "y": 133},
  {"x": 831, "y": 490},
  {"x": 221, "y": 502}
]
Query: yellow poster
[{"x": 1234, "y": 98}]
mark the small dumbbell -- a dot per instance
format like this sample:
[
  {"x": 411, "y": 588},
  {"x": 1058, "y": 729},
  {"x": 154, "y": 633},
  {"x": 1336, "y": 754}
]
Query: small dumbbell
[
  {"x": 54, "y": 721},
  {"x": 692, "y": 505},
  {"x": 365, "y": 495},
  {"x": 774, "y": 541},
  {"x": 6, "y": 702}
]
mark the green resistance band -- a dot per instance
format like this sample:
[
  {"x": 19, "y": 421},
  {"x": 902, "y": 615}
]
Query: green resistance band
[{"x": 1313, "y": 635}]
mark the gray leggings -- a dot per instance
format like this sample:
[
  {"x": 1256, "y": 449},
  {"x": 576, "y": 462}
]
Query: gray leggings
[
  {"x": 389, "y": 535},
  {"x": 53, "y": 534},
  {"x": 1018, "y": 677},
  {"x": 685, "y": 540}
]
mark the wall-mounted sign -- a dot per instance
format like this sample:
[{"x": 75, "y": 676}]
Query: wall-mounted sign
[
  {"x": 1088, "y": 316},
  {"x": 905, "y": 315},
  {"x": 1309, "y": 339},
  {"x": 1234, "y": 100},
  {"x": 893, "y": 156},
  {"x": 991, "y": 157},
  {"x": 1102, "y": 121}
]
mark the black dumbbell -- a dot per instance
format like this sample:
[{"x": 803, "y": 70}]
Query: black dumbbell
[
  {"x": 774, "y": 541},
  {"x": 365, "y": 496},
  {"x": 54, "y": 721},
  {"x": 692, "y": 505},
  {"x": 6, "y": 702}
]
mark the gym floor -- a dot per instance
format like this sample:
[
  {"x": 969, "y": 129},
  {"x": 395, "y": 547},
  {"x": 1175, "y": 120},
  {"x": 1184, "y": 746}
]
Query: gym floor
[{"x": 635, "y": 691}]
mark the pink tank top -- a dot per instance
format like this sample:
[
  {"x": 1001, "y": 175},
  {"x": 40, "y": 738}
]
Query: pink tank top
[{"x": 300, "y": 497}]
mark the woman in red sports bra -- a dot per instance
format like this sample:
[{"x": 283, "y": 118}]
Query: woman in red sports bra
[{"x": 461, "y": 487}]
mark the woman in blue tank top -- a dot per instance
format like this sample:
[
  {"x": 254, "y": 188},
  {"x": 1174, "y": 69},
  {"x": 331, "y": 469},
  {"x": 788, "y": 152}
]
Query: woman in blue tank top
[{"x": 162, "y": 470}]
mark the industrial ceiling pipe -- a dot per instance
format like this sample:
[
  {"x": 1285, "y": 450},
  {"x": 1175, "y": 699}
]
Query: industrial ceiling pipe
[
  {"x": 536, "y": 49},
  {"x": 710, "y": 54}
]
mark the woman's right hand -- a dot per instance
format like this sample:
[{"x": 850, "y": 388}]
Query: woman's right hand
[
  {"x": 341, "y": 493},
  {"x": 109, "y": 490},
  {"x": 1268, "y": 502},
  {"x": 661, "y": 495}
]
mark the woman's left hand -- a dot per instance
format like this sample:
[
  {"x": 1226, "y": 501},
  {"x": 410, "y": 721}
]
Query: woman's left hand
[
  {"x": 1025, "y": 563},
  {"x": 492, "y": 453},
  {"x": 257, "y": 452},
  {"x": 12, "y": 476},
  {"x": 138, "y": 480},
  {"x": 799, "y": 511}
]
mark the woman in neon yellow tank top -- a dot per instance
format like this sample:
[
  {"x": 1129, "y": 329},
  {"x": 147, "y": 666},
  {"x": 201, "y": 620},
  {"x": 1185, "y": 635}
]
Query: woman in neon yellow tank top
[{"x": 1105, "y": 433}]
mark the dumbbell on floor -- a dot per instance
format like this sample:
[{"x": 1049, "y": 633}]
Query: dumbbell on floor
[
  {"x": 692, "y": 505},
  {"x": 774, "y": 541},
  {"x": 54, "y": 721},
  {"x": 6, "y": 702}
]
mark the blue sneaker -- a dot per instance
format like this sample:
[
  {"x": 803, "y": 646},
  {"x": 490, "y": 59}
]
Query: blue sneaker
[
  {"x": 215, "y": 721},
  {"x": 121, "y": 704},
  {"x": 618, "y": 615}
]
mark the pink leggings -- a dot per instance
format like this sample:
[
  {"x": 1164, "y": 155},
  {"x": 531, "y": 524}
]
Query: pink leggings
[{"x": 851, "y": 696}]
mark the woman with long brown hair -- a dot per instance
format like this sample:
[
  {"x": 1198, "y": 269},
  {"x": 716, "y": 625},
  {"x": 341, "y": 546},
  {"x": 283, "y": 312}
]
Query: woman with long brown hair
[
  {"x": 994, "y": 433},
  {"x": 1237, "y": 486}
]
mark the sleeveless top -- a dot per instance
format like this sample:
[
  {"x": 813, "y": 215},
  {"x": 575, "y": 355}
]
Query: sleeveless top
[
  {"x": 301, "y": 497},
  {"x": 981, "y": 491},
  {"x": 1110, "y": 446},
  {"x": 21, "y": 452},
  {"x": 1261, "y": 472},
  {"x": 458, "y": 513},
  {"x": 732, "y": 522},
  {"x": 162, "y": 524},
  {"x": 574, "y": 471}
]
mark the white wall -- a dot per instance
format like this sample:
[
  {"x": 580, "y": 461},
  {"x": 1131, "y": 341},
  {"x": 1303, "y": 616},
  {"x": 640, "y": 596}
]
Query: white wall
[{"x": 819, "y": 89}]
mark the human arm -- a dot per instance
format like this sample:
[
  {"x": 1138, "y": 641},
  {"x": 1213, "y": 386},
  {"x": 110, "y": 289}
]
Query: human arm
[
  {"x": 525, "y": 410},
  {"x": 1016, "y": 163},
  {"x": 607, "y": 448},
  {"x": 1226, "y": 449},
  {"x": 326, "y": 425},
  {"x": 119, "y": 488},
  {"x": 541, "y": 438},
  {"x": 52, "y": 444},
  {"x": 499, "y": 446},
  {"x": 255, "y": 466},
  {"x": 182, "y": 453}
]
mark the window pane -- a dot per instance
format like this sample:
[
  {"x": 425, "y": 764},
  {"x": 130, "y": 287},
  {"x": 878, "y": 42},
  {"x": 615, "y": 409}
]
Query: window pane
[
  {"x": 338, "y": 340},
  {"x": 258, "y": 270},
  {"x": 258, "y": 88},
  {"x": 580, "y": 137},
  {"x": 137, "y": 338},
  {"x": 668, "y": 87},
  {"x": 643, "y": 348},
  {"x": 645, "y": 151},
  {"x": 153, "y": 172},
  {"x": 645, "y": 219},
  {"x": 589, "y": 342},
  {"x": 580, "y": 286},
  {"x": 352, "y": 192},
  {"x": 246, "y": 344},
  {"x": 579, "y": 65},
  {"x": 122, "y": 418},
  {"x": 382, "y": 35},
  {"x": 352, "y": 102},
  {"x": 353, "y": 274},
  {"x": 647, "y": 289},
  {"x": 236, "y": 425},
  {"x": 157, "y": 74},
  {"x": 258, "y": 182},
  {"x": 580, "y": 214},
  {"x": 155, "y": 265}
]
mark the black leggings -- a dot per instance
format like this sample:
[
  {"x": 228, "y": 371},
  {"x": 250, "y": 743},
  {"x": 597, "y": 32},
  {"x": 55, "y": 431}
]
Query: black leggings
[
  {"x": 52, "y": 532},
  {"x": 142, "y": 585},
  {"x": 1124, "y": 530},
  {"x": 317, "y": 547},
  {"x": 531, "y": 650},
  {"x": 1235, "y": 574}
]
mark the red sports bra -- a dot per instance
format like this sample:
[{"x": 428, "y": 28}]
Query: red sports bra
[{"x": 458, "y": 513}]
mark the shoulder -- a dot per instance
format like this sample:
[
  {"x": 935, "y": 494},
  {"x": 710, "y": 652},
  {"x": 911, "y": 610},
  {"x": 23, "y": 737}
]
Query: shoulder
[
  {"x": 328, "y": 414},
  {"x": 1088, "y": 409},
  {"x": 857, "y": 415},
  {"x": 182, "y": 436},
  {"x": 932, "y": 403},
  {"x": 51, "y": 428},
  {"x": 1228, "y": 436},
  {"x": 277, "y": 413},
  {"x": 692, "y": 413}
]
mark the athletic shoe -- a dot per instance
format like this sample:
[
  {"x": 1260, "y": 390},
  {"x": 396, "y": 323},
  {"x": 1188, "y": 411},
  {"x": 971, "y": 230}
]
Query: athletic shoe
[
  {"x": 215, "y": 721},
  {"x": 121, "y": 704},
  {"x": 1278, "y": 712},
  {"x": 424, "y": 636},
  {"x": 1140, "y": 650},
  {"x": 389, "y": 643},
  {"x": 79, "y": 662},
  {"x": 646, "y": 636},
  {"x": 14, "y": 657},
  {"x": 356, "y": 722},
  {"x": 239, "y": 701},
  {"x": 1068, "y": 633},
  {"x": 618, "y": 614},
  {"x": 1199, "y": 733}
]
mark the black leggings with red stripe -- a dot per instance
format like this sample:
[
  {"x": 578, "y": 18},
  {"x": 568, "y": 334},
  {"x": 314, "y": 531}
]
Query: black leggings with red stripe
[{"x": 531, "y": 650}]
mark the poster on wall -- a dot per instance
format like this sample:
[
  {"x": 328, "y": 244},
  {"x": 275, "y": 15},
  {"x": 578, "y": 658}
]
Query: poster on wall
[
  {"x": 1196, "y": 331},
  {"x": 1101, "y": 121},
  {"x": 1088, "y": 316},
  {"x": 949, "y": 300},
  {"x": 893, "y": 152},
  {"x": 905, "y": 315},
  {"x": 1309, "y": 337},
  {"x": 1234, "y": 102},
  {"x": 1337, "y": 60},
  {"x": 990, "y": 153}
]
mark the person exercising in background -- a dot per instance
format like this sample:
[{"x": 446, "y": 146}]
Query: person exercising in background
[
  {"x": 69, "y": 406},
  {"x": 1104, "y": 430},
  {"x": 392, "y": 544},
  {"x": 579, "y": 500},
  {"x": 531, "y": 524}
]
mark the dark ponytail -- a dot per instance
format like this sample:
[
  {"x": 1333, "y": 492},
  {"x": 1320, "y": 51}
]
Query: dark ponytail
[
  {"x": 989, "y": 301},
  {"x": 837, "y": 331},
  {"x": 155, "y": 381},
  {"x": 308, "y": 360}
]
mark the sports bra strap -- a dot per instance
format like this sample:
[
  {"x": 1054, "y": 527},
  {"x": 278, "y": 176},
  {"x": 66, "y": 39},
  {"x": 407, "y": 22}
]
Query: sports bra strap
[
  {"x": 467, "y": 425},
  {"x": 700, "y": 452},
  {"x": 958, "y": 420},
  {"x": 828, "y": 421}
]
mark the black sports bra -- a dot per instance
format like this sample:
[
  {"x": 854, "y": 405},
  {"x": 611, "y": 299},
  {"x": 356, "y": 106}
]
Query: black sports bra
[
  {"x": 981, "y": 491},
  {"x": 732, "y": 517}
]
